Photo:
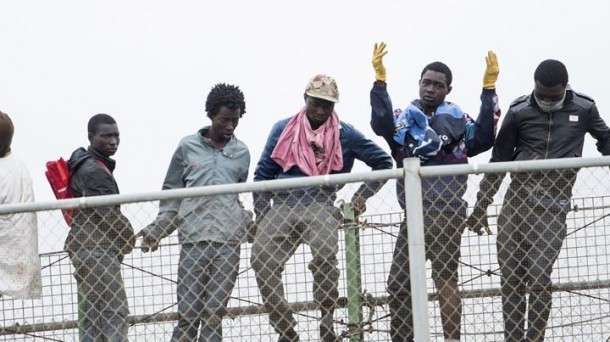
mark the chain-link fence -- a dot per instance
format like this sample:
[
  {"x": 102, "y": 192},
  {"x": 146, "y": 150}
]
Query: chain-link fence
[{"x": 316, "y": 271}]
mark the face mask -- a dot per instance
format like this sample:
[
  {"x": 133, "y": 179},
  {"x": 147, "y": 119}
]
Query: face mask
[{"x": 550, "y": 106}]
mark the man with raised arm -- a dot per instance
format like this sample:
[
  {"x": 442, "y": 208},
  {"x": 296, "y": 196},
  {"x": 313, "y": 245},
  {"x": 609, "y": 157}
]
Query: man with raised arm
[
  {"x": 551, "y": 122},
  {"x": 439, "y": 133}
]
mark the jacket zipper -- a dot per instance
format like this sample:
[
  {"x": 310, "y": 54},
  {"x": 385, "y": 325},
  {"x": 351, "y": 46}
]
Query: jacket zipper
[{"x": 548, "y": 140}]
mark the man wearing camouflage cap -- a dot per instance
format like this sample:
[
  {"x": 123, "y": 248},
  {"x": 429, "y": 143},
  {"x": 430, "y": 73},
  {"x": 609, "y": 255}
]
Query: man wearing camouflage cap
[{"x": 313, "y": 142}]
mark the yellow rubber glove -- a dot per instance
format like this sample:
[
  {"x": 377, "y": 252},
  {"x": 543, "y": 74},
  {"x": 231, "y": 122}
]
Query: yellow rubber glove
[
  {"x": 378, "y": 54},
  {"x": 492, "y": 71}
]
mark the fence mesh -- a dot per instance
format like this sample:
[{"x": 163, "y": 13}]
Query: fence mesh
[{"x": 579, "y": 284}]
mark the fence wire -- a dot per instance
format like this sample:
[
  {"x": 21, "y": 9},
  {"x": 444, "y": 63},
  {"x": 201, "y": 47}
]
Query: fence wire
[{"x": 300, "y": 250}]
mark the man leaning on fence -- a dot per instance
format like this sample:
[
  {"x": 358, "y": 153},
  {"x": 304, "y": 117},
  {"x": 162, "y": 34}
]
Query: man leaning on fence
[
  {"x": 551, "y": 122},
  {"x": 439, "y": 133},
  {"x": 99, "y": 237},
  {"x": 210, "y": 228},
  {"x": 312, "y": 142}
]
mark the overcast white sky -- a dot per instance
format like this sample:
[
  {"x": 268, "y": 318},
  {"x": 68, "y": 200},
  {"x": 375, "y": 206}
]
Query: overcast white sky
[{"x": 150, "y": 64}]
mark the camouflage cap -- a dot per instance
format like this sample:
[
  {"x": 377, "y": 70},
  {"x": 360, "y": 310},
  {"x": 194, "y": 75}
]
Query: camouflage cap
[{"x": 323, "y": 87}]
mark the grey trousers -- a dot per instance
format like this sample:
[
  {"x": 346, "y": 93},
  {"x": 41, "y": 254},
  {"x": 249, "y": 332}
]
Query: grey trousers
[
  {"x": 529, "y": 242},
  {"x": 279, "y": 234},
  {"x": 104, "y": 301}
]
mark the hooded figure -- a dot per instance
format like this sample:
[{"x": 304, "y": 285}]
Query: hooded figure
[
  {"x": 19, "y": 260},
  {"x": 6, "y": 134}
]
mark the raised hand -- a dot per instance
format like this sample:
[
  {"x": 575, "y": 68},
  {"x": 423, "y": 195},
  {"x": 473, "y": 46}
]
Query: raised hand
[
  {"x": 378, "y": 54},
  {"x": 492, "y": 71}
]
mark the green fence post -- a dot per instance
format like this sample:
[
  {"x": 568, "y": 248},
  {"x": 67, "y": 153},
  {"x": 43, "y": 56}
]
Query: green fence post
[
  {"x": 354, "y": 276},
  {"x": 81, "y": 315}
]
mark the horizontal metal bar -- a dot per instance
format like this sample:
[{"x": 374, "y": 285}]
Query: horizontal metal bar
[
  {"x": 18, "y": 329},
  {"x": 514, "y": 166},
  {"x": 262, "y": 186},
  {"x": 314, "y": 181}
]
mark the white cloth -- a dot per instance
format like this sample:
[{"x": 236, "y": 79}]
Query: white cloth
[{"x": 19, "y": 259}]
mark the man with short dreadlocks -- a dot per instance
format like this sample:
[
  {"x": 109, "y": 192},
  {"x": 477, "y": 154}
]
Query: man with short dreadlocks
[{"x": 211, "y": 228}]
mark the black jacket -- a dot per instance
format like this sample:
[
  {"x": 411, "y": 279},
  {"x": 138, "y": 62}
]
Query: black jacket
[
  {"x": 529, "y": 133},
  {"x": 99, "y": 227}
]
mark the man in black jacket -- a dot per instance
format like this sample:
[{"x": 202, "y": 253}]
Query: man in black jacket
[
  {"x": 549, "y": 123},
  {"x": 99, "y": 237}
]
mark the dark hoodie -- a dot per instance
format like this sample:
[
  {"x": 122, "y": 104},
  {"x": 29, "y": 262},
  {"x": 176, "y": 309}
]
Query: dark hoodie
[{"x": 99, "y": 227}]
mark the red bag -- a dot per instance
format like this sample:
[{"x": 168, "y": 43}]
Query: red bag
[
  {"x": 58, "y": 175},
  {"x": 59, "y": 178}
]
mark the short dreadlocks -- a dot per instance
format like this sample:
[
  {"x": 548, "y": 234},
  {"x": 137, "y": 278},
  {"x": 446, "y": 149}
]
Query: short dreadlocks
[{"x": 225, "y": 95}]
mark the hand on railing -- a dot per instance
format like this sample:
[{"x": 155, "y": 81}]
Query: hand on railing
[
  {"x": 477, "y": 221},
  {"x": 149, "y": 242}
]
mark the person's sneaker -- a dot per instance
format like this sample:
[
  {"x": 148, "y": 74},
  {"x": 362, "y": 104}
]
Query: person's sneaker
[
  {"x": 327, "y": 333},
  {"x": 289, "y": 336}
]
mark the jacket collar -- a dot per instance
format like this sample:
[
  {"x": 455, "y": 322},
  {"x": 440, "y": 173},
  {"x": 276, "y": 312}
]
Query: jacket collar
[{"x": 110, "y": 163}]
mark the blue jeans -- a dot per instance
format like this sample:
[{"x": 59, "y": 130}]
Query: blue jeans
[
  {"x": 207, "y": 272},
  {"x": 104, "y": 301}
]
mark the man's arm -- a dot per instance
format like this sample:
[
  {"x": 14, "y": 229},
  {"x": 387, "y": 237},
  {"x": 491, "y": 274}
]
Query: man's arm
[
  {"x": 97, "y": 181},
  {"x": 373, "y": 156},
  {"x": 382, "y": 114},
  {"x": 599, "y": 130},
  {"x": 167, "y": 220},
  {"x": 480, "y": 134},
  {"x": 503, "y": 150},
  {"x": 266, "y": 169}
]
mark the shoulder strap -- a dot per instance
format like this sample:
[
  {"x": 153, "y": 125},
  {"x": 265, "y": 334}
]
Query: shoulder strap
[{"x": 103, "y": 165}]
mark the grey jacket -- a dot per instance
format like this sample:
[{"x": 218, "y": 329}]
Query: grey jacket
[{"x": 219, "y": 218}]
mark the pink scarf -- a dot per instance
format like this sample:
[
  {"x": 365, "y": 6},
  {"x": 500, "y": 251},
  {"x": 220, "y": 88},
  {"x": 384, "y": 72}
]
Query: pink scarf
[{"x": 314, "y": 152}]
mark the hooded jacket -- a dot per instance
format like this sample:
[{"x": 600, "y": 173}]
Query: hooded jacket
[{"x": 97, "y": 227}]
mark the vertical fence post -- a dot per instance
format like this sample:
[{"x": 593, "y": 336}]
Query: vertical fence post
[
  {"x": 354, "y": 275},
  {"x": 417, "y": 249},
  {"x": 81, "y": 314}
]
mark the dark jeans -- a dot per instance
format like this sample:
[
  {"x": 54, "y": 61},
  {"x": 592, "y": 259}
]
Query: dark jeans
[
  {"x": 443, "y": 236},
  {"x": 529, "y": 242},
  {"x": 207, "y": 272},
  {"x": 280, "y": 232},
  {"x": 104, "y": 301}
]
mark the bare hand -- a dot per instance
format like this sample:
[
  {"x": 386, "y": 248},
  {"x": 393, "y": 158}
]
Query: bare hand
[
  {"x": 477, "y": 221},
  {"x": 149, "y": 243},
  {"x": 359, "y": 205}
]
